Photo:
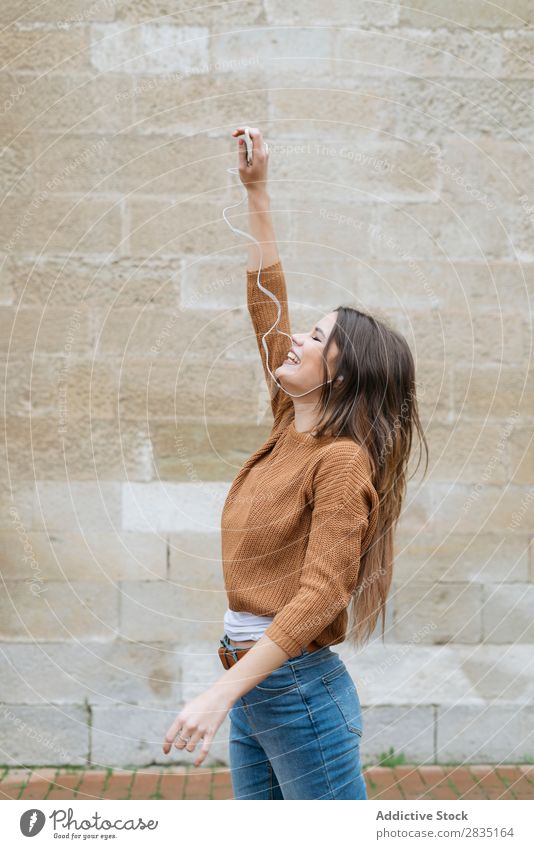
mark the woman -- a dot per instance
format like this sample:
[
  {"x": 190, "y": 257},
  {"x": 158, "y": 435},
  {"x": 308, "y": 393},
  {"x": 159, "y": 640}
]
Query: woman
[{"x": 307, "y": 528}]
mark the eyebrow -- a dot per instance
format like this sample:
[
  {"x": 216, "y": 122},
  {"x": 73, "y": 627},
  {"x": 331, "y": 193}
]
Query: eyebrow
[{"x": 320, "y": 331}]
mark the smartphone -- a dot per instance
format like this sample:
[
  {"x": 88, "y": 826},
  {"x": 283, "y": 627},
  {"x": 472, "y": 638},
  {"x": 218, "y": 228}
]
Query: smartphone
[{"x": 248, "y": 145}]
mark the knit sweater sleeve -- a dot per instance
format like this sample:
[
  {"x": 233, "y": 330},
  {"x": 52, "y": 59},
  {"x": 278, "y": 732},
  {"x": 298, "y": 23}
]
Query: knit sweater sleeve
[
  {"x": 264, "y": 312},
  {"x": 343, "y": 499}
]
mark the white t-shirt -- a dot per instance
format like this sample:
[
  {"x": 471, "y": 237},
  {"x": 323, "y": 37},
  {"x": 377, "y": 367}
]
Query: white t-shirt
[{"x": 240, "y": 625}]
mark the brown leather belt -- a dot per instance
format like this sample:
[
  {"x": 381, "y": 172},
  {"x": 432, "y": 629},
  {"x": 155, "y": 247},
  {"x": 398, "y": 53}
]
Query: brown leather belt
[{"x": 229, "y": 656}]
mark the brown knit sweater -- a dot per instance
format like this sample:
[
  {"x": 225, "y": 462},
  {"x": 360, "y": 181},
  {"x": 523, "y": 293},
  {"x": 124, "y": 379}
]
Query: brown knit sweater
[{"x": 299, "y": 512}]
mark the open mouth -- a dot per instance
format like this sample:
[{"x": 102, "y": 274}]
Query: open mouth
[{"x": 292, "y": 359}]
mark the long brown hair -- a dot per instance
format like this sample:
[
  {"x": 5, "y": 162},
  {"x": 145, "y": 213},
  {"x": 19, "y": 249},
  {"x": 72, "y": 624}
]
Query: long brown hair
[{"x": 376, "y": 405}]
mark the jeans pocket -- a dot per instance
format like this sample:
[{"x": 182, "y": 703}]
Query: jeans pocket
[
  {"x": 343, "y": 692},
  {"x": 278, "y": 682}
]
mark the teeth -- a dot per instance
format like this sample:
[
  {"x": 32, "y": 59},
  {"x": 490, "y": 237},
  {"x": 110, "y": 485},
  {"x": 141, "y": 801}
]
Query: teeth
[{"x": 291, "y": 356}]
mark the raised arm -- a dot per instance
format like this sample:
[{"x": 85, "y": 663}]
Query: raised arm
[{"x": 262, "y": 309}]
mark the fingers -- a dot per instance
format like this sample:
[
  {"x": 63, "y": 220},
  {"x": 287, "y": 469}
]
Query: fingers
[
  {"x": 204, "y": 748},
  {"x": 171, "y": 734},
  {"x": 193, "y": 736},
  {"x": 193, "y": 740},
  {"x": 183, "y": 738},
  {"x": 255, "y": 134}
]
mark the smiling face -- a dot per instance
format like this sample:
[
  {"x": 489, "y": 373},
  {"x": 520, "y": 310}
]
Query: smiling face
[{"x": 303, "y": 372}]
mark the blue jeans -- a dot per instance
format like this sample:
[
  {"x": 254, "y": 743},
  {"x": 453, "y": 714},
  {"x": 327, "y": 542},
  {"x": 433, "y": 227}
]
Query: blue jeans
[{"x": 297, "y": 734}]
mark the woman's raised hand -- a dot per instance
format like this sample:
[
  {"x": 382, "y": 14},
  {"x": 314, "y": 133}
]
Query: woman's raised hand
[{"x": 253, "y": 177}]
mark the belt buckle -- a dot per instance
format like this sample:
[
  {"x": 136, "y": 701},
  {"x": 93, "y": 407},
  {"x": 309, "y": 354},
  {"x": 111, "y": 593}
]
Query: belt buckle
[{"x": 227, "y": 650}]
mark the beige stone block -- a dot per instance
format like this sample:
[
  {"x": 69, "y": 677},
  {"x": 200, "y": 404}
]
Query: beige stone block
[
  {"x": 194, "y": 558},
  {"x": 449, "y": 612},
  {"x": 517, "y": 52},
  {"x": 213, "y": 283},
  {"x": 31, "y": 385},
  {"x": 73, "y": 448},
  {"x": 417, "y": 512},
  {"x": 183, "y": 13},
  {"x": 16, "y": 499},
  {"x": 499, "y": 287},
  {"x": 496, "y": 675},
  {"x": 58, "y": 611},
  {"x": 147, "y": 389},
  {"x": 476, "y": 14},
  {"x": 349, "y": 12},
  {"x": 335, "y": 227},
  {"x": 17, "y": 168},
  {"x": 37, "y": 330},
  {"x": 92, "y": 556},
  {"x": 495, "y": 287},
  {"x": 162, "y": 610},
  {"x": 531, "y": 560},
  {"x": 161, "y": 507},
  {"x": 522, "y": 456},
  {"x": 45, "y": 734},
  {"x": 312, "y": 51},
  {"x": 7, "y": 290},
  {"x": 466, "y": 508},
  {"x": 388, "y": 172},
  {"x": 408, "y": 729},
  {"x": 176, "y": 227},
  {"x": 134, "y": 163},
  {"x": 472, "y": 107},
  {"x": 77, "y": 506},
  {"x": 200, "y": 577},
  {"x": 202, "y": 334},
  {"x": 50, "y": 50},
  {"x": 65, "y": 387},
  {"x": 152, "y": 48},
  {"x": 119, "y": 282},
  {"x": 369, "y": 113},
  {"x": 511, "y": 284},
  {"x": 47, "y": 222},
  {"x": 97, "y": 672},
  {"x": 64, "y": 14},
  {"x": 57, "y": 103},
  {"x": 494, "y": 733},
  {"x": 211, "y": 101},
  {"x": 508, "y": 614},
  {"x": 470, "y": 453},
  {"x": 433, "y": 391},
  {"x": 405, "y": 674},
  {"x": 427, "y": 53},
  {"x": 206, "y": 450},
  {"x": 402, "y": 285},
  {"x": 483, "y": 171},
  {"x": 480, "y": 338},
  {"x": 455, "y": 557},
  {"x": 191, "y": 389},
  {"x": 424, "y": 231},
  {"x": 493, "y": 391}
]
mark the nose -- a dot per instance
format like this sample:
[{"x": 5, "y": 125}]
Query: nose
[{"x": 295, "y": 339}]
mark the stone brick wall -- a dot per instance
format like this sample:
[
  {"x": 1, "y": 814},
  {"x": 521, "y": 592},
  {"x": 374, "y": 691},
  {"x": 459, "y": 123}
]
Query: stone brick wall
[{"x": 402, "y": 181}]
